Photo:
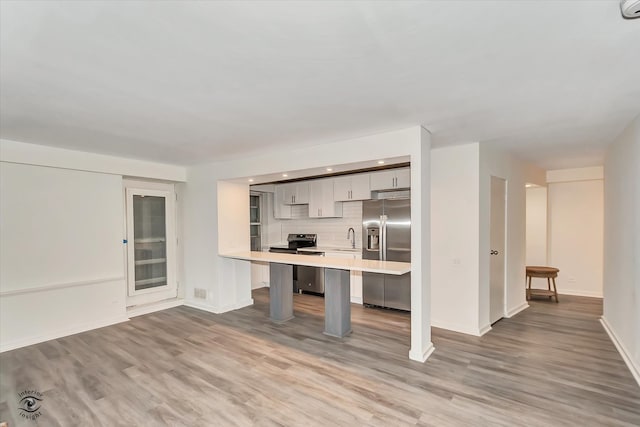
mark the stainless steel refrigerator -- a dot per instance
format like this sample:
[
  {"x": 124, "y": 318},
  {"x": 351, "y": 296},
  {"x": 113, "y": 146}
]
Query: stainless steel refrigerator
[{"x": 386, "y": 234}]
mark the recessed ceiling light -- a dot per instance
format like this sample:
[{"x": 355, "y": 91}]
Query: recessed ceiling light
[
  {"x": 250, "y": 179},
  {"x": 329, "y": 169},
  {"x": 285, "y": 175},
  {"x": 381, "y": 162},
  {"x": 528, "y": 185}
]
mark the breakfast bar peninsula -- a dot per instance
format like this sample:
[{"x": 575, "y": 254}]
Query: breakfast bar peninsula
[{"x": 337, "y": 308}]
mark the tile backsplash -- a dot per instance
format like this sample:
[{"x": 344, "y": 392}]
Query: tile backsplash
[{"x": 331, "y": 231}]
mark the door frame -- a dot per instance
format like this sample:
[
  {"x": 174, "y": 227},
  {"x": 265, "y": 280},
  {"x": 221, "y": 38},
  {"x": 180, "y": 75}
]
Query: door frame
[{"x": 150, "y": 295}]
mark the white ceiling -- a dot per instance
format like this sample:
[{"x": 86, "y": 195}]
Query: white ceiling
[{"x": 187, "y": 82}]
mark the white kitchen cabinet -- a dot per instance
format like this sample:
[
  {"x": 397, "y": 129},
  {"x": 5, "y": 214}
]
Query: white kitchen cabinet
[
  {"x": 295, "y": 193},
  {"x": 352, "y": 187},
  {"x": 321, "y": 201},
  {"x": 393, "y": 179},
  {"x": 280, "y": 210}
]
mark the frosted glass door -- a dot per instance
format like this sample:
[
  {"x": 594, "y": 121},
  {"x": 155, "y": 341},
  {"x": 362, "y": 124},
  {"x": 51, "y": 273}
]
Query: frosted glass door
[
  {"x": 150, "y": 242},
  {"x": 150, "y": 245}
]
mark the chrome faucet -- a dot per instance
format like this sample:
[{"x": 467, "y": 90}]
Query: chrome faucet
[{"x": 351, "y": 234}]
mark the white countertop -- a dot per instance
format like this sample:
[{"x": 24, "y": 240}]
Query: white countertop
[
  {"x": 369, "y": 265},
  {"x": 330, "y": 249}
]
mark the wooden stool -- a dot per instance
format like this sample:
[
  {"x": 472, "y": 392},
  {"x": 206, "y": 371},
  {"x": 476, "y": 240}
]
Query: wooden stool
[{"x": 550, "y": 273}]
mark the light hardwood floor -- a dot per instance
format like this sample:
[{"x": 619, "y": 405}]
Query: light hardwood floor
[{"x": 552, "y": 364}]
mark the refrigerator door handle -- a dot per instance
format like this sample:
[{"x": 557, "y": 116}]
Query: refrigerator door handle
[{"x": 383, "y": 234}]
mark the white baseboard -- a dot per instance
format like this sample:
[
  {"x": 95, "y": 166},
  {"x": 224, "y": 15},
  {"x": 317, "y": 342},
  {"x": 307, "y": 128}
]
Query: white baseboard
[
  {"x": 215, "y": 309},
  {"x": 139, "y": 310},
  {"x": 517, "y": 310},
  {"x": 422, "y": 356},
  {"x": 626, "y": 356},
  {"x": 483, "y": 330},
  {"x": 580, "y": 293},
  {"x": 201, "y": 306},
  {"x": 76, "y": 329},
  {"x": 236, "y": 306},
  {"x": 356, "y": 300},
  {"x": 463, "y": 329}
]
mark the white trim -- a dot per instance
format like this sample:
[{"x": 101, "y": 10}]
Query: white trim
[
  {"x": 486, "y": 328},
  {"x": 216, "y": 309},
  {"x": 517, "y": 310},
  {"x": 40, "y": 155},
  {"x": 577, "y": 174},
  {"x": 580, "y": 293},
  {"x": 170, "y": 289},
  {"x": 459, "y": 328},
  {"x": 201, "y": 306},
  {"x": 356, "y": 300},
  {"x": 75, "y": 329},
  {"x": 139, "y": 310},
  {"x": 626, "y": 356},
  {"x": 57, "y": 286},
  {"x": 236, "y": 306},
  {"x": 422, "y": 357}
]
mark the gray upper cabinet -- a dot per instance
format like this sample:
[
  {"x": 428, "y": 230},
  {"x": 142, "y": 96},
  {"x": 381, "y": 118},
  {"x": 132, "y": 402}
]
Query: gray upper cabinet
[
  {"x": 352, "y": 187},
  {"x": 393, "y": 179}
]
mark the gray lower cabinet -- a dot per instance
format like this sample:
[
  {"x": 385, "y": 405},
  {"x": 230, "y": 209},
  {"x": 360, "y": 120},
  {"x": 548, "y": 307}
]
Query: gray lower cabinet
[{"x": 387, "y": 290}]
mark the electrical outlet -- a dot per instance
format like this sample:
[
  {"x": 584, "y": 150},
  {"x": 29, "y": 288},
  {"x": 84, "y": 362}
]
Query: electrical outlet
[{"x": 200, "y": 293}]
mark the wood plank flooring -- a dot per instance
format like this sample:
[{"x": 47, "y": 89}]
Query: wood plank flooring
[{"x": 551, "y": 365}]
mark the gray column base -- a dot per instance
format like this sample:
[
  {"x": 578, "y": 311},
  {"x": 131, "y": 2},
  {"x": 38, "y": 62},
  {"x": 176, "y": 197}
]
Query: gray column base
[
  {"x": 280, "y": 292},
  {"x": 337, "y": 303}
]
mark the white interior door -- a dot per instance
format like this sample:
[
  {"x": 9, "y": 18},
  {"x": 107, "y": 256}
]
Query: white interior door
[
  {"x": 497, "y": 257},
  {"x": 151, "y": 245}
]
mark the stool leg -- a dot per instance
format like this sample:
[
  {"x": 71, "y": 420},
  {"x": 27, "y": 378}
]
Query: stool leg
[
  {"x": 549, "y": 286},
  {"x": 529, "y": 289},
  {"x": 555, "y": 290}
]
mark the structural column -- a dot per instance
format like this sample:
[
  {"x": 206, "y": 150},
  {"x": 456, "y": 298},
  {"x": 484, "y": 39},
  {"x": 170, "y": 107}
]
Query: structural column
[
  {"x": 280, "y": 292},
  {"x": 337, "y": 302}
]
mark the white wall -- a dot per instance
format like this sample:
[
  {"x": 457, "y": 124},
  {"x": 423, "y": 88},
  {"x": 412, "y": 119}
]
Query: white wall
[
  {"x": 455, "y": 238},
  {"x": 460, "y": 206},
  {"x": 205, "y": 270},
  {"x": 575, "y": 230},
  {"x": 61, "y": 231},
  {"x": 536, "y": 252},
  {"x": 31, "y": 154},
  {"x": 621, "y": 315}
]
